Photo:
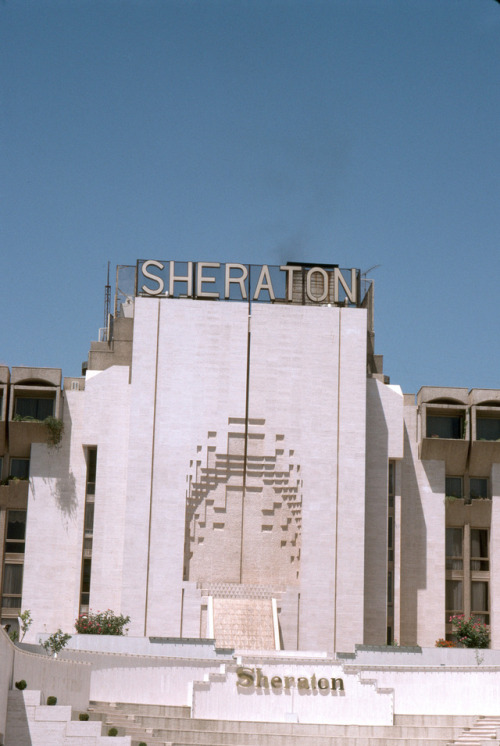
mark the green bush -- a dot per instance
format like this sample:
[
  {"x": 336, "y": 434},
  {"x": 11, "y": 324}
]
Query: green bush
[
  {"x": 113, "y": 732},
  {"x": 21, "y": 685},
  {"x": 55, "y": 643},
  {"x": 83, "y": 716},
  {"x": 55, "y": 430},
  {"x": 51, "y": 701},
  {"x": 143, "y": 743},
  {"x": 471, "y": 633}
]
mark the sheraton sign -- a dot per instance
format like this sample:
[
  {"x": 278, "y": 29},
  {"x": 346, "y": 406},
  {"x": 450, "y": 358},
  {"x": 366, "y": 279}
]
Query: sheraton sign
[
  {"x": 289, "y": 283},
  {"x": 250, "y": 678}
]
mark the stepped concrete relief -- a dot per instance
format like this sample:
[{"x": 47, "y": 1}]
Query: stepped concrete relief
[{"x": 244, "y": 507}]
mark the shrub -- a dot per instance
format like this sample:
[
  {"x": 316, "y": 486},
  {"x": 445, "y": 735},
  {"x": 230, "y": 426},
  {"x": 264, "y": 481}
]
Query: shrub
[
  {"x": 26, "y": 622},
  {"x": 143, "y": 743},
  {"x": 101, "y": 623},
  {"x": 56, "y": 642},
  {"x": 83, "y": 716},
  {"x": 51, "y": 701},
  {"x": 55, "y": 430},
  {"x": 21, "y": 685},
  {"x": 471, "y": 633},
  {"x": 113, "y": 732},
  {"x": 441, "y": 643}
]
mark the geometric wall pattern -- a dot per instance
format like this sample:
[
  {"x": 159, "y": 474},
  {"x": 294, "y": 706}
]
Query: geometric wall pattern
[{"x": 243, "y": 508}]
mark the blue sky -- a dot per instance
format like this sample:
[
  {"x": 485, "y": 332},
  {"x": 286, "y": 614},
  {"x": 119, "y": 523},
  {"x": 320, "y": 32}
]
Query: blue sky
[{"x": 355, "y": 132}]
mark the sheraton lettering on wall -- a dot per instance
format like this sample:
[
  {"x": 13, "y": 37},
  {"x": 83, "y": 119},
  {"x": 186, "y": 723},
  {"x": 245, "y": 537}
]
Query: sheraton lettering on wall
[
  {"x": 255, "y": 678},
  {"x": 289, "y": 283}
]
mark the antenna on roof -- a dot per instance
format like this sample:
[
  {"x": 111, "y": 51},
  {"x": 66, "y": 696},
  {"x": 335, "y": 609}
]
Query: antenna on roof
[
  {"x": 375, "y": 266},
  {"x": 107, "y": 301}
]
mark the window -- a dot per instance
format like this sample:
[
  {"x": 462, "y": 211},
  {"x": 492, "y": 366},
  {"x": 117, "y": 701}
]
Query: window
[
  {"x": 454, "y": 487},
  {"x": 488, "y": 428},
  {"x": 16, "y": 530},
  {"x": 467, "y": 573},
  {"x": 454, "y": 549},
  {"x": 454, "y": 598},
  {"x": 12, "y": 586},
  {"x": 391, "y": 544},
  {"x": 480, "y": 600},
  {"x": 479, "y": 555},
  {"x": 91, "y": 470},
  {"x": 392, "y": 483},
  {"x": 478, "y": 487},
  {"x": 85, "y": 591},
  {"x": 36, "y": 409},
  {"x": 88, "y": 528},
  {"x": 441, "y": 426},
  {"x": 19, "y": 468}
]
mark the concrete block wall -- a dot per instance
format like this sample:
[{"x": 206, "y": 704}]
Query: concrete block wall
[
  {"x": 495, "y": 557},
  {"x": 384, "y": 441},
  {"x": 7, "y": 651},
  {"x": 221, "y": 698},
  {"x": 189, "y": 371},
  {"x": 54, "y": 528},
  {"x": 31, "y": 723},
  {"x": 422, "y": 577}
]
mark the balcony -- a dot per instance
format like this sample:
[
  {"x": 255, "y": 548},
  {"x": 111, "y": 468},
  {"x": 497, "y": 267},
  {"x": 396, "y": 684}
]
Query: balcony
[
  {"x": 14, "y": 494},
  {"x": 30, "y": 406},
  {"x": 445, "y": 435},
  {"x": 485, "y": 443}
]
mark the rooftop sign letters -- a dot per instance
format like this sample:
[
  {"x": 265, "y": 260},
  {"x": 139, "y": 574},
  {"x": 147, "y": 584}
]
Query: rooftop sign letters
[{"x": 290, "y": 283}]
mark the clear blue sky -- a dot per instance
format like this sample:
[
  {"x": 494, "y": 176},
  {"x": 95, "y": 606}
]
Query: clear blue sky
[{"x": 355, "y": 132}]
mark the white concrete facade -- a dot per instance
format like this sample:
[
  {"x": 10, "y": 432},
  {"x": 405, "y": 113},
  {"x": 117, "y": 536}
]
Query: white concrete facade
[{"x": 250, "y": 453}]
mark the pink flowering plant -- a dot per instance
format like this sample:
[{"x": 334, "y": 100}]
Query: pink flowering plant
[
  {"x": 472, "y": 632},
  {"x": 101, "y": 623}
]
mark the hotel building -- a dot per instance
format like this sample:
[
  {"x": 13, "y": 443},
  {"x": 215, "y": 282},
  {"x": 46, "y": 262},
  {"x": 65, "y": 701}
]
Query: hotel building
[{"x": 235, "y": 465}]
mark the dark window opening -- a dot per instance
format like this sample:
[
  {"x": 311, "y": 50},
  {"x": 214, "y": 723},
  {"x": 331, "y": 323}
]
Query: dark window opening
[
  {"x": 445, "y": 426},
  {"x": 36, "y": 409}
]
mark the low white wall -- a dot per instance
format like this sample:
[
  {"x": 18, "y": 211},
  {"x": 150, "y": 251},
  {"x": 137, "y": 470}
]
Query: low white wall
[
  {"x": 387, "y": 656},
  {"x": 463, "y": 691},
  {"x": 69, "y": 681},
  {"x": 6, "y": 660},
  {"x": 168, "y": 647},
  {"x": 33, "y": 724},
  {"x": 358, "y": 703},
  {"x": 158, "y": 685}
]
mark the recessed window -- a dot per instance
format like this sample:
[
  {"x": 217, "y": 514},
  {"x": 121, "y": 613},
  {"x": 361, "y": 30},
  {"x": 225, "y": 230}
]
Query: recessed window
[
  {"x": 19, "y": 468},
  {"x": 16, "y": 530},
  {"x": 12, "y": 586},
  {"x": 480, "y": 600},
  {"x": 445, "y": 426},
  {"x": 454, "y": 597},
  {"x": 85, "y": 589},
  {"x": 91, "y": 470},
  {"x": 488, "y": 428},
  {"x": 454, "y": 487},
  {"x": 479, "y": 556},
  {"x": 454, "y": 548},
  {"x": 33, "y": 408},
  {"x": 478, "y": 487}
]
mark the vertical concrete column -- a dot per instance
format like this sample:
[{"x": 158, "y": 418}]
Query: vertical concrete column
[
  {"x": 495, "y": 557},
  {"x": 140, "y": 462}
]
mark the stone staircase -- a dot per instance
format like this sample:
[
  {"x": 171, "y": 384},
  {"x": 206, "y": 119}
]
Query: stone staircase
[
  {"x": 172, "y": 726},
  {"x": 243, "y": 615},
  {"x": 484, "y": 729}
]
